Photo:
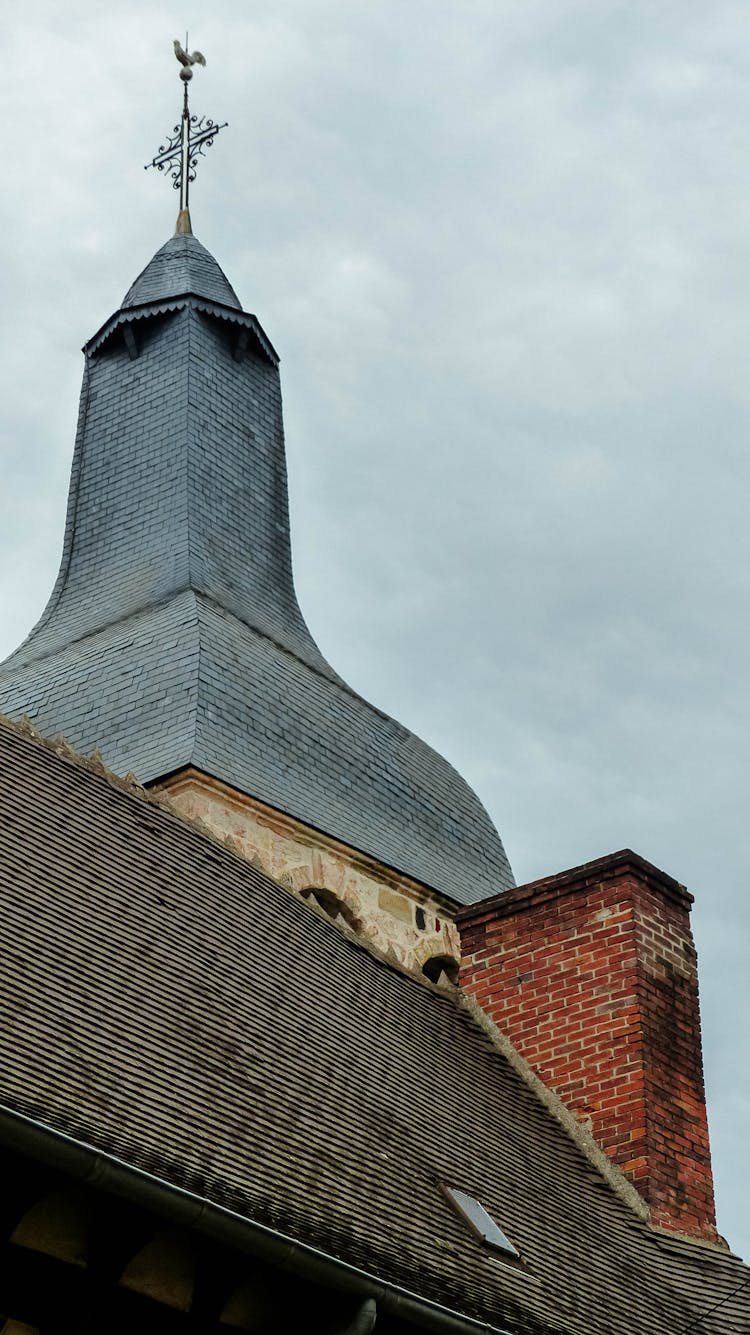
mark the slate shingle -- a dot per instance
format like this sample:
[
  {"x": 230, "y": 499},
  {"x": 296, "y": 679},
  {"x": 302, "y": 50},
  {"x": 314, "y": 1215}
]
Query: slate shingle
[
  {"x": 181, "y": 265},
  {"x": 173, "y": 636}
]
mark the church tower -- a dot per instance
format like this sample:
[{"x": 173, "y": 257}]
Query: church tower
[
  {"x": 173, "y": 642},
  {"x": 218, "y": 1111}
]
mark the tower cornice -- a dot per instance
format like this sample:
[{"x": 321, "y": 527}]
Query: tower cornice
[{"x": 166, "y": 306}]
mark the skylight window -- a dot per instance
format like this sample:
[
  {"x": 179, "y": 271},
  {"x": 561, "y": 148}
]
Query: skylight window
[{"x": 479, "y": 1221}]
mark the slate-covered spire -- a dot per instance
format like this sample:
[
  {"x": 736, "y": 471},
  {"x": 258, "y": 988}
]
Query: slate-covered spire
[
  {"x": 182, "y": 266},
  {"x": 173, "y": 637}
]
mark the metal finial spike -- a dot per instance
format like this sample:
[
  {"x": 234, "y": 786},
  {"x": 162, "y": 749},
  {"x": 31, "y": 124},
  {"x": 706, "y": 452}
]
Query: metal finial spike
[
  {"x": 183, "y": 226},
  {"x": 190, "y": 137}
]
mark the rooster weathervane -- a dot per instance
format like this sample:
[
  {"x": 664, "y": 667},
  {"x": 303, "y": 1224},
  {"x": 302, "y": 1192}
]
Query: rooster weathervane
[{"x": 191, "y": 136}]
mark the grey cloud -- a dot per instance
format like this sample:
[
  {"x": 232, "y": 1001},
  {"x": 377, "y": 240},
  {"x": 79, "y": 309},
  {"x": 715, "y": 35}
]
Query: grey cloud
[{"x": 503, "y": 250}]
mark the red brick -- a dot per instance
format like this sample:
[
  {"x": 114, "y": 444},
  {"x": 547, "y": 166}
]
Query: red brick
[{"x": 592, "y": 976}]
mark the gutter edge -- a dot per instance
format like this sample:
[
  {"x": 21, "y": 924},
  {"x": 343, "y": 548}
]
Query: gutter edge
[{"x": 100, "y": 1169}]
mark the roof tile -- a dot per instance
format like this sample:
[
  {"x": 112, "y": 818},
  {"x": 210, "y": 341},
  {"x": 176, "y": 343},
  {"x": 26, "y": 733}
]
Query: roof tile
[{"x": 198, "y": 1020}]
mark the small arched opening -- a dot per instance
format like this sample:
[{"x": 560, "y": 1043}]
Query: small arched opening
[
  {"x": 333, "y": 906},
  {"x": 439, "y": 966}
]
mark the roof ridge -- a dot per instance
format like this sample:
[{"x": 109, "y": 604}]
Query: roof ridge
[{"x": 124, "y": 783}]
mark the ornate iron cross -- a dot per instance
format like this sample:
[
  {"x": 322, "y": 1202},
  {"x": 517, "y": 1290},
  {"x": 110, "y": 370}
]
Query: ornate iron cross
[{"x": 190, "y": 137}]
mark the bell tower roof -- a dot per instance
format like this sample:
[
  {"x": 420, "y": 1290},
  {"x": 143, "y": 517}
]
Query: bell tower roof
[
  {"x": 173, "y": 638},
  {"x": 182, "y": 266}
]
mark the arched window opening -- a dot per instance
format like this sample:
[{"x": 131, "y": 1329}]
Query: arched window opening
[
  {"x": 437, "y": 965},
  {"x": 333, "y": 906}
]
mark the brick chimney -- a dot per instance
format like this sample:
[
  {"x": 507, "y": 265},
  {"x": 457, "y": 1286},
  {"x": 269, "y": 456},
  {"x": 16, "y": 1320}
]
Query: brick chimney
[{"x": 592, "y": 975}]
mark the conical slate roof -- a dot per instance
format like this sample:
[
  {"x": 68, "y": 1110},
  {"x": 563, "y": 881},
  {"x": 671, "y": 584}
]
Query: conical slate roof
[
  {"x": 173, "y": 636},
  {"x": 182, "y": 265}
]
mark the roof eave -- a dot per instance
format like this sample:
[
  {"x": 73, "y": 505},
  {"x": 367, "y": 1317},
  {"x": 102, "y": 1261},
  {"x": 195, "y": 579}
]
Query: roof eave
[
  {"x": 226, "y": 1227},
  {"x": 167, "y": 305}
]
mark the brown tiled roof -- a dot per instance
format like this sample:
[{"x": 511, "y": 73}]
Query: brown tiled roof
[{"x": 165, "y": 1002}]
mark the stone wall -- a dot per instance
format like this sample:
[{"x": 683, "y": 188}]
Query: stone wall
[{"x": 398, "y": 916}]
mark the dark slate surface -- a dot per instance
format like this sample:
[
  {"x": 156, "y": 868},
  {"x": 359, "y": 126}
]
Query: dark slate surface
[
  {"x": 173, "y": 636},
  {"x": 200, "y": 1022},
  {"x": 131, "y": 690},
  {"x": 182, "y": 265}
]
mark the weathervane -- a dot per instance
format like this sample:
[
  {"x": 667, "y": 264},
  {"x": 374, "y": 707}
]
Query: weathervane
[{"x": 190, "y": 137}]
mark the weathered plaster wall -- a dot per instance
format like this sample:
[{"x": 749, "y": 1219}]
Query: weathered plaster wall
[{"x": 398, "y": 916}]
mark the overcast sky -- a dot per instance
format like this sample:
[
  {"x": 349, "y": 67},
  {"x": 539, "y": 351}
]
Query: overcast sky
[{"x": 503, "y": 247}]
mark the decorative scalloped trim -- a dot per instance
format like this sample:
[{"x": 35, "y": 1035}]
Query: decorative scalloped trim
[{"x": 171, "y": 304}]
